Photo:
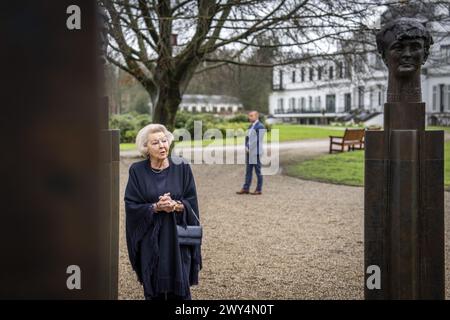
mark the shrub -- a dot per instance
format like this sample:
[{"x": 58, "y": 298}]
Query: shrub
[
  {"x": 123, "y": 122},
  {"x": 262, "y": 118},
  {"x": 236, "y": 126},
  {"x": 141, "y": 121},
  {"x": 181, "y": 119},
  {"x": 268, "y": 126},
  {"x": 130, "y": 136},
  {"x": 205, "y": 125},
  {"x": 186, "y": 120},
  {"x": 241, "y": 117}
]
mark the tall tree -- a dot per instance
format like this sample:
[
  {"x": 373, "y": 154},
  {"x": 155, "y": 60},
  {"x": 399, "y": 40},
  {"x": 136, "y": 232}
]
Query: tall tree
[
  {"x": 255, "y": 83},
  {"x": 162, "y": 43}
]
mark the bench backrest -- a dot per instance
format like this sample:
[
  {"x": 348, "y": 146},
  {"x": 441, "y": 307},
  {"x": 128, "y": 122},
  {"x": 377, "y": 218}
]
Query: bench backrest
[{"x": 354, "y": 134}]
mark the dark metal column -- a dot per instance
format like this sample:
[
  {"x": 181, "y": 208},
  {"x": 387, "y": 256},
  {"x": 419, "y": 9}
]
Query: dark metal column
[
  {"x": 59, "y": 190},
  {"x": 404, "y": 213},
  {"x": 404, "y": 186}
]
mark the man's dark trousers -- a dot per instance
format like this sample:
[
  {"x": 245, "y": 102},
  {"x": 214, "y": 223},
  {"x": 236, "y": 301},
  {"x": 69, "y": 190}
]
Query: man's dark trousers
[{"x": 249, "y": 172}]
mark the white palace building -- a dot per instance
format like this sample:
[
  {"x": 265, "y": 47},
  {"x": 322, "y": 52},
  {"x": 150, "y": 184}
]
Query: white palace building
[
  {"x": 210, "y": 103},
  {"x": 322, "y": 91}
]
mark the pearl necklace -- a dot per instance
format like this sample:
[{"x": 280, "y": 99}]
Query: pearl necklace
[{"x": 156, "y": 171}]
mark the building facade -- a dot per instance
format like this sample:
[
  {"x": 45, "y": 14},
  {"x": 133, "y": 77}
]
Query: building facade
[
  {"x": 321, "y": 91},
  {"x": 210, "y": 103}
]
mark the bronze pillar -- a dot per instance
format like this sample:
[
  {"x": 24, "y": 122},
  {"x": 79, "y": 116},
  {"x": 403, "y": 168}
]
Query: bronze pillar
[{"x": 404, "y": 186}]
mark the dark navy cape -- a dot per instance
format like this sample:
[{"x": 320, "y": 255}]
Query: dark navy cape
[{"x": 160, "y": 263}]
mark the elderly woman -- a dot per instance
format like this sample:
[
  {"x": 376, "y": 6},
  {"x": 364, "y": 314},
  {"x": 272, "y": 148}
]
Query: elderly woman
[{"x": 159, "y": 195}]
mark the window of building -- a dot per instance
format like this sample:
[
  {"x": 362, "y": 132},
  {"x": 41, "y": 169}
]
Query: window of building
[
  {"x": 340, "y": 70},
  {"x": 194, "y": 109},
  {"x": 348, "y": 70},
  {"x": 331, "y": 103},
  {"x": 331, "y": 69},
  {"x": 311, "y": 74},
  {"x": 280, "y": 104},
  {"x": 293, "y": 76},
  {"x": 281, "y": 78},
  {"x": 317, "y": 103},
  {"x": 447, "y": 97},
  {"x": 291, "y": 104},
  {"x": 303, "y": 74},
  {"x": 434, "y": 100},
  {"x": 380, "y": 96},
  {"x": 303, "y": 103},
  {"x": 347, "y": 102},
  {"x": 359, "y": 64},
  {"x": 310, "y": 103},
  {"x": 445, "y": 53},
  {"x": 319, "y": 73},
  {"x": 361, "y": 97}
]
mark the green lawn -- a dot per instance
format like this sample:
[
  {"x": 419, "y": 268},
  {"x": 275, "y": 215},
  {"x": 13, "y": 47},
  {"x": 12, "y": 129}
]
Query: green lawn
[
  {"x": 127, "y": 146},
  {"x": 287, "y": 132},
  {"x": 447, "y": 129},
  {"x": 301, "y": 132},
  {"x": 340, "y": 168},
  {"x": 346, "y": 168}
]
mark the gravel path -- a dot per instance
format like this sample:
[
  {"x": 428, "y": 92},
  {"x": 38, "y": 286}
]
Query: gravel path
[{"x": 299, "y": 240}]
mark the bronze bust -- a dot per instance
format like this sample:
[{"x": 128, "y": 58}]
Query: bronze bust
[{"x": 404, "y": 46}]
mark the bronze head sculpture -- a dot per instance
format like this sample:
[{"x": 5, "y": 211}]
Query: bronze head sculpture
[{"x": 404, "y": 46}]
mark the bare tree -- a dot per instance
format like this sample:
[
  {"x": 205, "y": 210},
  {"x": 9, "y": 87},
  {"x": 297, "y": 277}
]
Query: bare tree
[{"x": 162, "y": 43}]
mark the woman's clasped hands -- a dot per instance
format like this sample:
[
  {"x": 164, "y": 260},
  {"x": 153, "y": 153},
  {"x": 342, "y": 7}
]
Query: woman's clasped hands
[{"x": 167, "y": 204}]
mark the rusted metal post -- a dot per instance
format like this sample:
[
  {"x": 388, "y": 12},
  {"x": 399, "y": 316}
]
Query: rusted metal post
[{"x": 59, "y": 201}]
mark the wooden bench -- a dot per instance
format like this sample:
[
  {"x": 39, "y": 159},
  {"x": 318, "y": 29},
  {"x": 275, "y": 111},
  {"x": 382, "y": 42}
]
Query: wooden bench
[{"x": 351, "y": 138}]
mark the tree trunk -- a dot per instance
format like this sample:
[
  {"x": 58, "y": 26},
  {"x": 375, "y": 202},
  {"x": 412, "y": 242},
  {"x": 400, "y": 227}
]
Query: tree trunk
[
  {"x": 166, "y": 109},
  {"x": 168, "y": 94},
  {"x": 167, "y": 100}
]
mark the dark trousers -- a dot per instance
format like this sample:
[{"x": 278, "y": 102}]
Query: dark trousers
[{"x": 249, "y": 173}]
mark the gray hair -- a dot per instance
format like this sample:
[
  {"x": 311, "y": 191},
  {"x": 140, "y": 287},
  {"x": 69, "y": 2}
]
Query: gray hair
[{"x": 142, "y": 137}]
